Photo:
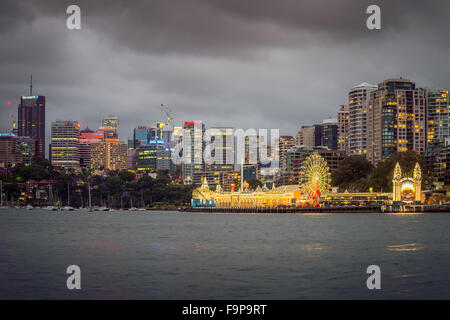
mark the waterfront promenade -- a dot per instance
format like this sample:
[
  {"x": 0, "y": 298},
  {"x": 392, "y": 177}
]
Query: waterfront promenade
[{"x": 340, "y": 209}]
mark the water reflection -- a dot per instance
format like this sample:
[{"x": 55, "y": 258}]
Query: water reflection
[{"x": 404, "y": 247}]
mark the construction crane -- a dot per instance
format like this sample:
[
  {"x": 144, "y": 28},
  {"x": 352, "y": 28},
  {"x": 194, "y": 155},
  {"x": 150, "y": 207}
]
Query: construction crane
[{"x": 168, "y": 112}]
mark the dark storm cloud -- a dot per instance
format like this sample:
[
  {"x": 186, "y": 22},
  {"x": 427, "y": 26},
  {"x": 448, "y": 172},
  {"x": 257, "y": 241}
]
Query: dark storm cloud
[
  {"x": 248, "y": 63},
  {"x": 225, "y": 26},
  {"x": 14, "y": 13}
]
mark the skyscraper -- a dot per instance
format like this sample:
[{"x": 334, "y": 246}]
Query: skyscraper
[
  {"x": 141, "y": 136},
  {"x": 284, "y": 144},
  {"x": 343, "y": 143},
  {"x": 65, "y": 143},
  {"x": 357, "y": 118},
  {"x": 397, "y": 119},
  {"x": 224, "y": 150},
  {"x": 88, "y": 137},
  {"x": 438, "y": 106},
  {"x": 193, "y": 147},
  {"x": 31, "y": 117},
  {"x": 111, "y": 126},
  {"x": 8, "y": 150},
  {"x": 219, "y": 159},
  {"x": 330, "y": 134},
  {"x": 310, "y": 136},
  {"x": 109, "y": 155}
]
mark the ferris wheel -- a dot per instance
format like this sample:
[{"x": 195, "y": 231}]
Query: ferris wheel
[{"x": 315, "y": 176}]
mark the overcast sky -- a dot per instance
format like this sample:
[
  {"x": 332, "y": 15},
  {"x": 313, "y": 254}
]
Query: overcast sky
[{"x": 241, "y": 63}]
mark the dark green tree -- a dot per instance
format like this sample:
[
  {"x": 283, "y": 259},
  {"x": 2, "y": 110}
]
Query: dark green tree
[
  {"x": 381, "y": 177},
  {"x": 352, "y": 174},
  {"x": 254, "y": 183}
]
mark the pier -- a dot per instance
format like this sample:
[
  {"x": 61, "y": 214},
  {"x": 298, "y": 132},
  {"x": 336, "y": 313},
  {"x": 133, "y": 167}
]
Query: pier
[{"x": 311, "y": 210}]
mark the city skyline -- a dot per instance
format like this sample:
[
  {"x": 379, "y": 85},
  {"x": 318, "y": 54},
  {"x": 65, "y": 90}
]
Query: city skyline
[
  {"x": 260, "y": 72},
  {"x": 153, "y": 123}
]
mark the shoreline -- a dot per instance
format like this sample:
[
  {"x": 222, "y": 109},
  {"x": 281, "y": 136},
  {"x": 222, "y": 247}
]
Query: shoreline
[{"x": 337, "y": 210}]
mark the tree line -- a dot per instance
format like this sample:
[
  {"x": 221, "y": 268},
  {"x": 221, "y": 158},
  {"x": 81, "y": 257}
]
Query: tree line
[
  {"x": 116, "y": 189},
  {"x": 357, "y": 174}
]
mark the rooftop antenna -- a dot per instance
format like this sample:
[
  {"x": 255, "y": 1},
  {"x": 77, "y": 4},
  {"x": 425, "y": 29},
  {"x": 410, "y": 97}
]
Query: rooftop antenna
[{"x": 31, "y": 84}]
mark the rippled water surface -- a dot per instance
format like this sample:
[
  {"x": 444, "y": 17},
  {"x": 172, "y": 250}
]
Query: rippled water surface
[{"x": 170, "y": 255}]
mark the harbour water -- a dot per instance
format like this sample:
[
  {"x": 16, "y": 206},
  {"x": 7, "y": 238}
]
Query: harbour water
[{"x": 172, "y": 255}]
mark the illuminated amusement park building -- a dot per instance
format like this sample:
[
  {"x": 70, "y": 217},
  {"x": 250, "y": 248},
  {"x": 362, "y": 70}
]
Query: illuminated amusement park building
[
  {"x": 313, "y": 189},
  {"x": 407, "y": 188},
  {"x": 315, "y": 181}
]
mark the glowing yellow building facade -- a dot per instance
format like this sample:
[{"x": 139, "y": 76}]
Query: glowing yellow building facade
[
  {"x": 405, "y": 188},
  {"x": 260, "y": 198},
  {"x": 110, "y": 155}
]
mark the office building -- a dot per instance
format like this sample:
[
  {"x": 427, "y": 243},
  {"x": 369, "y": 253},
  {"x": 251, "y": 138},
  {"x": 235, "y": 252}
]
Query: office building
[
  {"x": 110, "y": 125},
  {"x": 31, "y": 121},
  {"x": 109, "y": 155},
  {"x": 8, "y": 150},
  {"x": 26, "y": 149},
  {"x": 193, "y": 147},
  {"x": 88, "y": 136},
  {"x": 65, "y": 137}
]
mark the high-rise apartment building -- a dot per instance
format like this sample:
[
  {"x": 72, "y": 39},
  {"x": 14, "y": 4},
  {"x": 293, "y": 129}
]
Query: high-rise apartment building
[
  {"x": 330, "y": 134},
  {"x": 296, "y": 156},
  {"x": 109, "y": 155},
  {"x": 396, "y": 120},
  {"x": 438, "y": 115},
  {"x": 222, "y": 149},
  {"x": 219, "y": 156},
  {"x": 26, "y": 148},
  {"x": 87, "y": 137},
  {"x": 310, "y": 136},
  {"x": 284, "y": 144},
  {"x": 343, "y": 142},
  {"x": 65, "y": 137},
  {"x": 193, "y": 147},
  {"x": 359, "y": 97},
  {"x": 8, "y": 150}
]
